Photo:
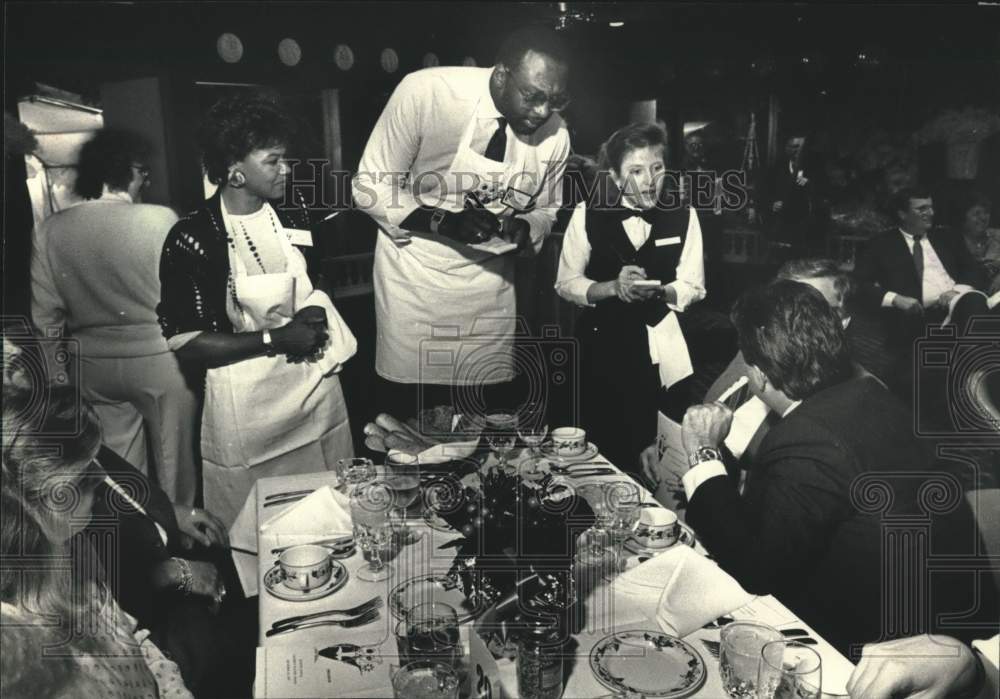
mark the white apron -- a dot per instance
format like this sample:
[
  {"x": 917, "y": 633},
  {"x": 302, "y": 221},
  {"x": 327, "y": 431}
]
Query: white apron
[
  {"x": 264, "y": 416},
  {"x": 446, "y": 312}
]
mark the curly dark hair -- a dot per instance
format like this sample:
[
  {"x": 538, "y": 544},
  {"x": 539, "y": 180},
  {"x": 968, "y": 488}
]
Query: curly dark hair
[
  {"x": 107, "y": 159},
  {"x": 236, "y": 126},
  {"x": 788, "y": 331}
]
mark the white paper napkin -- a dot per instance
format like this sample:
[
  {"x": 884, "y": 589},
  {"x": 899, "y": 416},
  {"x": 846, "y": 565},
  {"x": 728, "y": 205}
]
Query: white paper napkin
[{"x": 691, "y": 589}]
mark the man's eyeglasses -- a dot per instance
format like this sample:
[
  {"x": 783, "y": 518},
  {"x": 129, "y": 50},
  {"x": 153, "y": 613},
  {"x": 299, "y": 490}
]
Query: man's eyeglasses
[{"x": 537, "y": 98}]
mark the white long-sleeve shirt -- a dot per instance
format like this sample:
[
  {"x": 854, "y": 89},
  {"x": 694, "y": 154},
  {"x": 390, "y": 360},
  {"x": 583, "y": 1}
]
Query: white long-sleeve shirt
[
  {"x": 408, "y": 158},
  {"x": 572, "y": 283},
  {"x": 936, "y": 280}
]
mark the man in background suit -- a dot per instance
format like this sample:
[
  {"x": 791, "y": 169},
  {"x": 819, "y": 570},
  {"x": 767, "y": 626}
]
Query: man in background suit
[
  {"x": 810, "y": 526},
  {"x": 793, "y": 199},
  {"x": 914, "y": 269}
]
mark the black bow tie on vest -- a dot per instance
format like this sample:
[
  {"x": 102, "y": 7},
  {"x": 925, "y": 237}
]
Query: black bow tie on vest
[{"x": 646, "y": 215}]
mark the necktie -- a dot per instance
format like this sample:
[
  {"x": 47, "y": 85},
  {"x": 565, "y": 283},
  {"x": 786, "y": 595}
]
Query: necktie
[
  {"x": 918, "y": 260},
  {"x": 498, "y": 142}
]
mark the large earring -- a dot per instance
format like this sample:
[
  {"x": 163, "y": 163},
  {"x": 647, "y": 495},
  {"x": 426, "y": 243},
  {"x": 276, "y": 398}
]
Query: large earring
[{"x": 237, "y": 179}]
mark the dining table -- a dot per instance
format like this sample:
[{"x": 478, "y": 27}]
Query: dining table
[{"x": 297, "y": 663}]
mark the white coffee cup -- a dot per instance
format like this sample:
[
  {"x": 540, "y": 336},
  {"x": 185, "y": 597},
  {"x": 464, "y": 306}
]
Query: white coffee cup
[
  {"x": 306, "y": 567},
  {"x": 569, "y": 441},
  {"x": 658, "y": 528}
]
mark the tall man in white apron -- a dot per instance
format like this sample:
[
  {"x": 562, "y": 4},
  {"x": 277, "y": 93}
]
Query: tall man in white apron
[{"x": 464, "y": 166}]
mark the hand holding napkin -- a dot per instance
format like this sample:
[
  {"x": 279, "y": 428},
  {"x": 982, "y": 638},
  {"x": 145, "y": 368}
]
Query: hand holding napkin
[{"x": 691, "y": 589}]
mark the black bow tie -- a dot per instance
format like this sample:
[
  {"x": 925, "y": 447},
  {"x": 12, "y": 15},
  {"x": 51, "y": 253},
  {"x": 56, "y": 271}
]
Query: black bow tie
[{"x": 647, "y": 215}]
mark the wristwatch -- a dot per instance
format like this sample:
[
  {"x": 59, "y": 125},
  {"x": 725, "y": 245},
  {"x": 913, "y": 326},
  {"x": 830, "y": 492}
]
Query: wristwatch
[
  {"x": 703, "y": 454},
  {"x": 437, "y": 218}
]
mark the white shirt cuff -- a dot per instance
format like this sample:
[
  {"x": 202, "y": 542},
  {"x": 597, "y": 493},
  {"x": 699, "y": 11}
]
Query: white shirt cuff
[
  {"x": 887, "y": 300},
  {"x": 701, "y": 473}
]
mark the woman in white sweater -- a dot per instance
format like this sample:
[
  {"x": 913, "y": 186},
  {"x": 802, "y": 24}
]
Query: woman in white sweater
[{"x": 94, "y": 273}]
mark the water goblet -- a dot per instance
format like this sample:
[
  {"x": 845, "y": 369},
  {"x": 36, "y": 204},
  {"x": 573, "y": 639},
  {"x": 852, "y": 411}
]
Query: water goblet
[
  {"x": 789, "y": 670},
  {"x": 370, "y": 504}
]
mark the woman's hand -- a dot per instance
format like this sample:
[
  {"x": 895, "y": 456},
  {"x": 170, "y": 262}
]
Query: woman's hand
[
  {"x": 200, "y": 525},
  {"x": 302, "y": 337},
  {"x": 624, "y": 289},
  {"x": 205, "y": 580}
]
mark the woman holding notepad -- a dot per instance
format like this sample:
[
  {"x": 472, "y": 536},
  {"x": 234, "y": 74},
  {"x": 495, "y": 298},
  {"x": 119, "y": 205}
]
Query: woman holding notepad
[{"x": 633, "y": 259}]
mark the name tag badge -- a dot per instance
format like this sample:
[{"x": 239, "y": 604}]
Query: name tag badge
[
  {"x": 660, "y": 242},
  {"x": 516, "y": 199},
  {"x": 299, "y": 236}
]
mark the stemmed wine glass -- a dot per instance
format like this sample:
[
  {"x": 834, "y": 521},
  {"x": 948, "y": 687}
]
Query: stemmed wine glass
[
  {"x": 532, "y": 428},
  {"x": 501, "y": 435},
  {"x": 353, "y": 471},
  {"x": 403, "y": 479},
  {"x": 373, "y": 532}
]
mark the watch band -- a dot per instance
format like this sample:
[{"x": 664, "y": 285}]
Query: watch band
[
  {"x": 437, "y": 218},
  {"x": 703, "y": 454}
]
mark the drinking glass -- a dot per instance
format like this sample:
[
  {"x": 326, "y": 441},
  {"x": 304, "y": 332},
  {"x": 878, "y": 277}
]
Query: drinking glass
[
  {"x": 353, "y": 471},
  {"x": 531, "y": 427},
  {"x": 501, "y": 435},
  {"x": 789, "y": 670},
  {"x": 596, "y": 497},
  {"x": 429, "y": 631},
  {"x": 425, "y": 679},
  {"x": 373, "y": 531},
  {"x": 739, "y": 656},
  {"x": 623, "y": 511},
  {"x": 402, "y": 476},
  {"x": 596, "y": 562}
]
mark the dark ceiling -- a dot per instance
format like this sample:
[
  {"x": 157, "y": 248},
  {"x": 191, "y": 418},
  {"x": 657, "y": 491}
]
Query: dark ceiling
[{"x": 77, "y": 45}]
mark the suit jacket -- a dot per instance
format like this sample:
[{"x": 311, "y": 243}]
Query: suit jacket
[
  {"x": 887, "y": 265},
  {"x": 813, "y": 525}
]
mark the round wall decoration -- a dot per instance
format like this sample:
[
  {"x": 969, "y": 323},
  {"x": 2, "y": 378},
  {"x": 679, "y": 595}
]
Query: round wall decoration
[
  {"x": 229, "y": 47},
  {"x": 469, "y": 61},
  {"x": 431, "y": 60},
  {"x": 289, "y": 52},
  {"x": 389, "y": 60},
  {"x": 343, "y": 57}
]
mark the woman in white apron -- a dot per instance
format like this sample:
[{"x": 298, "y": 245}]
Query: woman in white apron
[{"x": 237, "y": 299}]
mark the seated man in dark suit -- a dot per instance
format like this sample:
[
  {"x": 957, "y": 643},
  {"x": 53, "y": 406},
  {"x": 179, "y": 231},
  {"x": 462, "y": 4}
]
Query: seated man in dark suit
[
  {"x": 835, "y": 518},
  {"x": 915, "y": 270}
]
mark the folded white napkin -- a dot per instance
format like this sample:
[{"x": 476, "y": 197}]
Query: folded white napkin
[
  {"x": 243, "y": 535},
  {"x": 324, "y": 512},
  {"x": 668, "y": 349},
  {"x": 691, "y": 589},
  {"x": 747, "y": 419}
]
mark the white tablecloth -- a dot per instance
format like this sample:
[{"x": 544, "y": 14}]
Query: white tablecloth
[{"x": 627, "y": 611}]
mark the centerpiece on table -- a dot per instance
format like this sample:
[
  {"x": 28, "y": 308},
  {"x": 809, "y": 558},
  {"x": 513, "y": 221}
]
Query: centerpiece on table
[{"x": 515, "y": 555}]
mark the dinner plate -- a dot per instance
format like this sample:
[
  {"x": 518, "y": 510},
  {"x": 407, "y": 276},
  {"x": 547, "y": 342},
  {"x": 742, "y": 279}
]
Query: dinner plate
[
  {"x": 686, "y": 538},
  {"x": 433, "y": 587},
  {"x": 647, "y": 663},
  {"x": 274, "y": 582},
  {"x": 548, "y": 451}
]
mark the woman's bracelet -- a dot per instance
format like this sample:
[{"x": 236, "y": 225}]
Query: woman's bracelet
[{"x": 187, "y": 577}]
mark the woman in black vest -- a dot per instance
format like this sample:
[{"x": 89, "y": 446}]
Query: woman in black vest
[{"x": 631, "y": 347}]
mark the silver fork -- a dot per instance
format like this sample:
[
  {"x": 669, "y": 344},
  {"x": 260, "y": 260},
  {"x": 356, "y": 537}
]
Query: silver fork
[
  {"x": 365, "y": 618},
  {"x": 373, "y": 603}
]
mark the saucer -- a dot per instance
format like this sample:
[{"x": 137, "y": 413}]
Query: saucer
[
  {"x": 686, "y": 538},
  {"x": 548, "y": 451},
  {"x": 274, "y": 582}
]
